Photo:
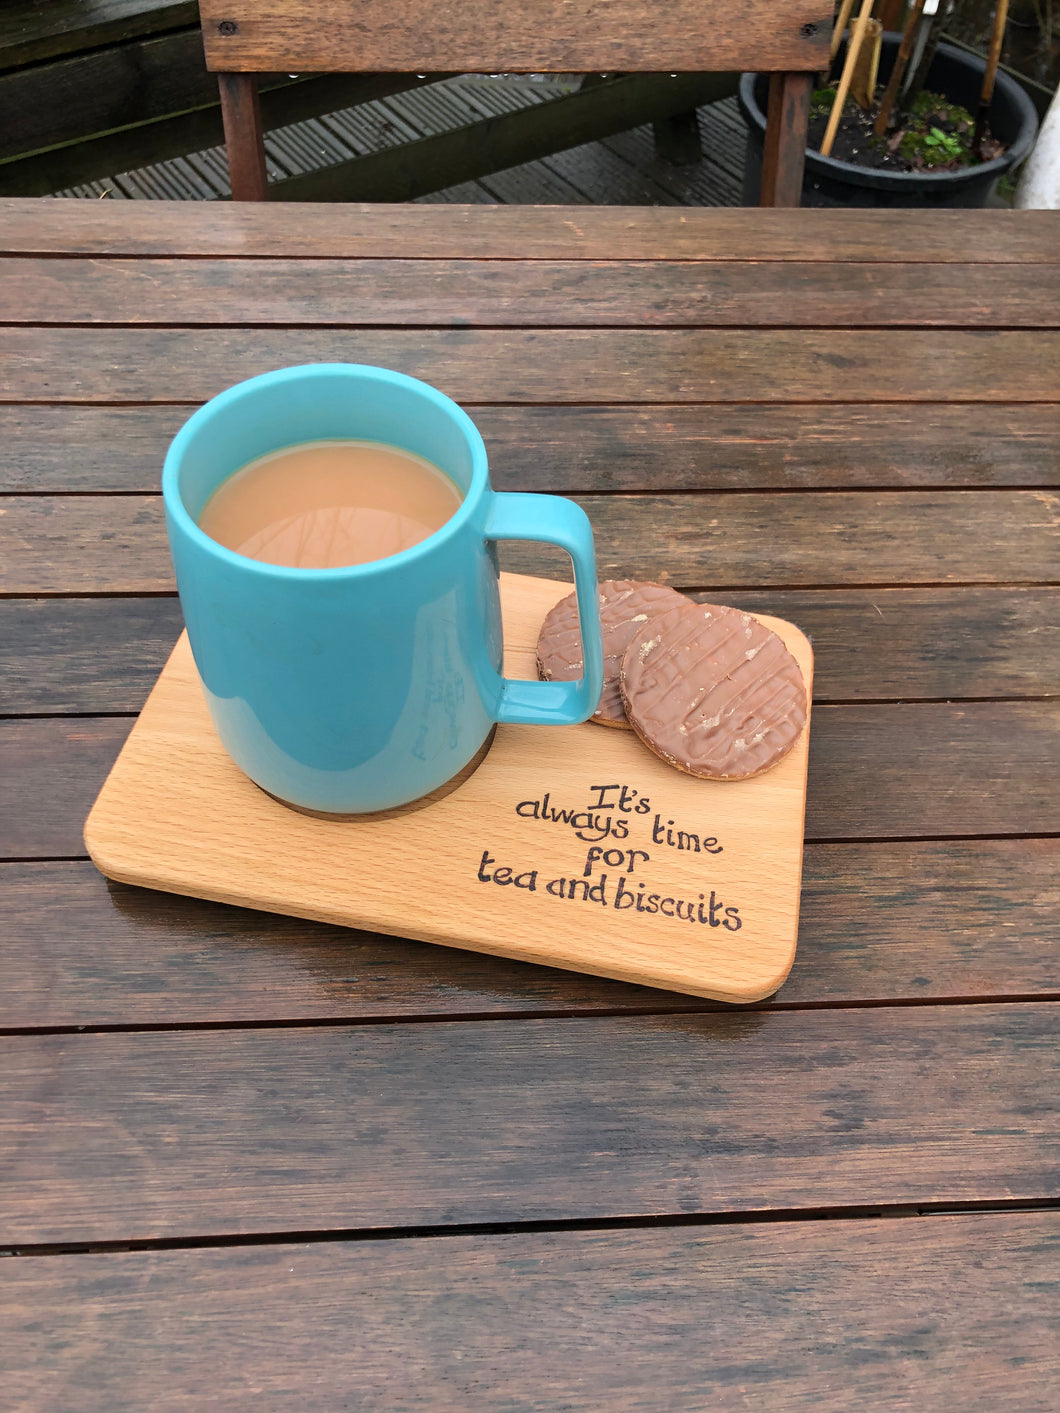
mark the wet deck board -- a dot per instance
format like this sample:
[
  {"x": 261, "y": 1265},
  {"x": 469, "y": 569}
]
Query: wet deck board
[{"x": 621, "y": 170}]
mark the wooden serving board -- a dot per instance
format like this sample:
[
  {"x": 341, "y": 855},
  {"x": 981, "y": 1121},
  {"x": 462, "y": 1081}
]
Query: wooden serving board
[{"x": 571, "y": 846}]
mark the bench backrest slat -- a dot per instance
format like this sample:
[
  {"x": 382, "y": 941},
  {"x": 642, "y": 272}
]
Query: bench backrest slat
[{"x": 556, "y": 36}]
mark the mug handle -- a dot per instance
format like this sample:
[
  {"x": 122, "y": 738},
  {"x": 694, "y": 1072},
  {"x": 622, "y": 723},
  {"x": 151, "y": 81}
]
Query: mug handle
[{"x": 520, "y": 516}]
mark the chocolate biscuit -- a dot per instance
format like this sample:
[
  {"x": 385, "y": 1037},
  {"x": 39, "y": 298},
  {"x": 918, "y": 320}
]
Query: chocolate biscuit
[
  {"x": 713, "y": 691},
  {"x": 625, "y": 606}
]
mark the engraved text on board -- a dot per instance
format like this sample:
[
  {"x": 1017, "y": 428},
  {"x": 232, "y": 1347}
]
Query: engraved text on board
[{"x": 619, "y": 844}]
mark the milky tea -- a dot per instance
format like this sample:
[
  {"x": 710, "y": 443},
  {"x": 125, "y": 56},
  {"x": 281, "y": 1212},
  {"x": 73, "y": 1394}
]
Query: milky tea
[{"x": 324, "y": 504}]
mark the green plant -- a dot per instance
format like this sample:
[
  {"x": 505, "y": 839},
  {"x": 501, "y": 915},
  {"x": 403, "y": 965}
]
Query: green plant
[
  {"x": 943, "y": 142},
  {"x": 938, "y": 133}
]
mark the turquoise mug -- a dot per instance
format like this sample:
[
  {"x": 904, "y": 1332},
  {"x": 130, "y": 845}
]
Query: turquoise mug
[{"x": 354, "y": 690}]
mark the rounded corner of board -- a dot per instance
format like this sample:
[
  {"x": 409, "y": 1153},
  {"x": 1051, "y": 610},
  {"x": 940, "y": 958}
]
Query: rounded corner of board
[
  {"x": 101, "y": 854},
  {"x": 752, "y": 993}
]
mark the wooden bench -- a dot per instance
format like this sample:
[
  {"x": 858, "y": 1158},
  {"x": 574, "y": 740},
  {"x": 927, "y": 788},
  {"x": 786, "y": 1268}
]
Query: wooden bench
[{"x": 787, "y": 38}]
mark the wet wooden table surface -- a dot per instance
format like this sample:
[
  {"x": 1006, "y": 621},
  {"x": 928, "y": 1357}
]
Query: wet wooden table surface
[{"x": 256, "y": 1163}]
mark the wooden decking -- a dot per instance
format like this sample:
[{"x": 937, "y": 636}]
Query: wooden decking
[{"x": 621, "y": 170}]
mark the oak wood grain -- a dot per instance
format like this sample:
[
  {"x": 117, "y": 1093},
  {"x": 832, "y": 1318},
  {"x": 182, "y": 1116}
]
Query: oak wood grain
[
  {"x": 103, "y": 655},
  {"x": 534, "y": 365},
  {"x": 881, "y": 771},
  {"x": 211, "y": 833},
  {"x": 29, "y": 227},
  {"x": 949, "y": 921},
  {"x": 544, "y": 36},
  {"x": 496, "y": 293},
  {"x": 138, "y": 1136},
  {"x": 873, "y": 1314},
  {"x": 57, "y": 544},
  {"x": 592, "y": 449}
]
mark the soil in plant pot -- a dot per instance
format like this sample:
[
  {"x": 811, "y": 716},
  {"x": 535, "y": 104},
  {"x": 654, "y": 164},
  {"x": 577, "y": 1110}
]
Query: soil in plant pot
[{"x": 936, "y": 136}]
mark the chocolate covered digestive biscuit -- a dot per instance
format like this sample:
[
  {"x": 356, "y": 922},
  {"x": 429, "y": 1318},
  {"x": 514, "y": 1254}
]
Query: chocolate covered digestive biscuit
[
  {"x": 713, "y": 691},
  {"x": 625, "y": 607}
]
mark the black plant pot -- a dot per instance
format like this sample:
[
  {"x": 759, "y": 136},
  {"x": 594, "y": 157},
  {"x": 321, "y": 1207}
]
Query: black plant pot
[{"x": 830, "y": 183}]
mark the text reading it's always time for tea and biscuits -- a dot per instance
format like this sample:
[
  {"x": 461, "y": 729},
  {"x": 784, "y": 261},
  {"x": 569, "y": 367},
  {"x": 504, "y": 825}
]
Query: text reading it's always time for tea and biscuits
[{"x": 605, "y": 824}]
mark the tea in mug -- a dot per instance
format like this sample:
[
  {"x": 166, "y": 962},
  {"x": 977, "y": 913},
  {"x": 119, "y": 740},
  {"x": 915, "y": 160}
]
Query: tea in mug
[{"x": 322, "y": 505}]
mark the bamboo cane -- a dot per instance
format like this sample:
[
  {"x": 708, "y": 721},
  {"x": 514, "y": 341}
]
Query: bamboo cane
[
  {"x": 866, "y": 70},
  {"x": 840, "y": 25},
  {"x": 987, "y": 92},
  {"x": 856, "y": 39},
  {"x": 904, "y": 51}
]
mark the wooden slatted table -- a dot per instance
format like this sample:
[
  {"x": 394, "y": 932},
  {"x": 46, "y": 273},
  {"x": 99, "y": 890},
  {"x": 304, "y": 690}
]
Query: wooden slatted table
[{"x": 251, "y": 1162}]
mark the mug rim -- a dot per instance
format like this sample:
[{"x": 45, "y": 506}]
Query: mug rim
[{"x": 361, "y": 372}]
